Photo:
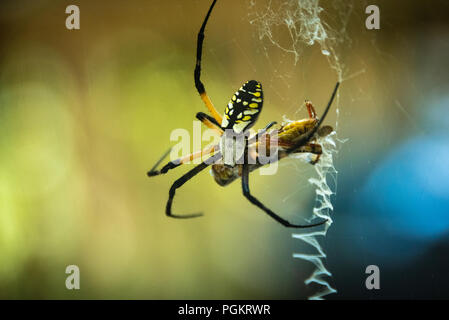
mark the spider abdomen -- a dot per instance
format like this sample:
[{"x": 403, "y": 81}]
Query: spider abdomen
[{"x": 244, "y": 107}]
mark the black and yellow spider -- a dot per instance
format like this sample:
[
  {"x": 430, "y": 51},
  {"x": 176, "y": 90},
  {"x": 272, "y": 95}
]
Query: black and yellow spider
[{"x": 240, "y": 114}]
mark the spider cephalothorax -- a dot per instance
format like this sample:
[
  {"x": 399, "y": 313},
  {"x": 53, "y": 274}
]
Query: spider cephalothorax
[{"x": 237, "y": 153}]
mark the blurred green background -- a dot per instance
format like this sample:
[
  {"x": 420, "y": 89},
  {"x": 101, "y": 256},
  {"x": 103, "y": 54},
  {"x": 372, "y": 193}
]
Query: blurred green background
[{"x": 85, "y": 113}]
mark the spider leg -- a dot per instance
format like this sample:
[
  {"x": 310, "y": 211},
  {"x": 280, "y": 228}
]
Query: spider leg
[
  {"x": 209, "y": 122},
  {"x": 197, "y": 74},
  {"x": 313, "y": 148},
  {"x": 261, "y": 132},
  {"x": 253, "y": 200},
  {"x": 180, "y": 182},
  {"x": 314, "y": 162},
  {"x": 310, "y": 109},
  {"x": 176, "y": 163},
  {"x": 306, "y": 137},
  {"x": 253, "y": 142},
  {"x": 153, "y": 170}
]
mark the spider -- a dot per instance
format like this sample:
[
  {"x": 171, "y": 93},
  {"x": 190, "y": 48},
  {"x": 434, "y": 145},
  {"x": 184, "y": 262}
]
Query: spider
[{"x": 240, "y": 114}]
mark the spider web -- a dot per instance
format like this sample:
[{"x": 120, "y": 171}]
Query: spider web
[{"x": 294, "y": 27}]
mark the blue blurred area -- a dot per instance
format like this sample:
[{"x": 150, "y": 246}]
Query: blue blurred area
[
  {"x": 399, "y": 221},
  {"x": 410, "y": 188}
]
